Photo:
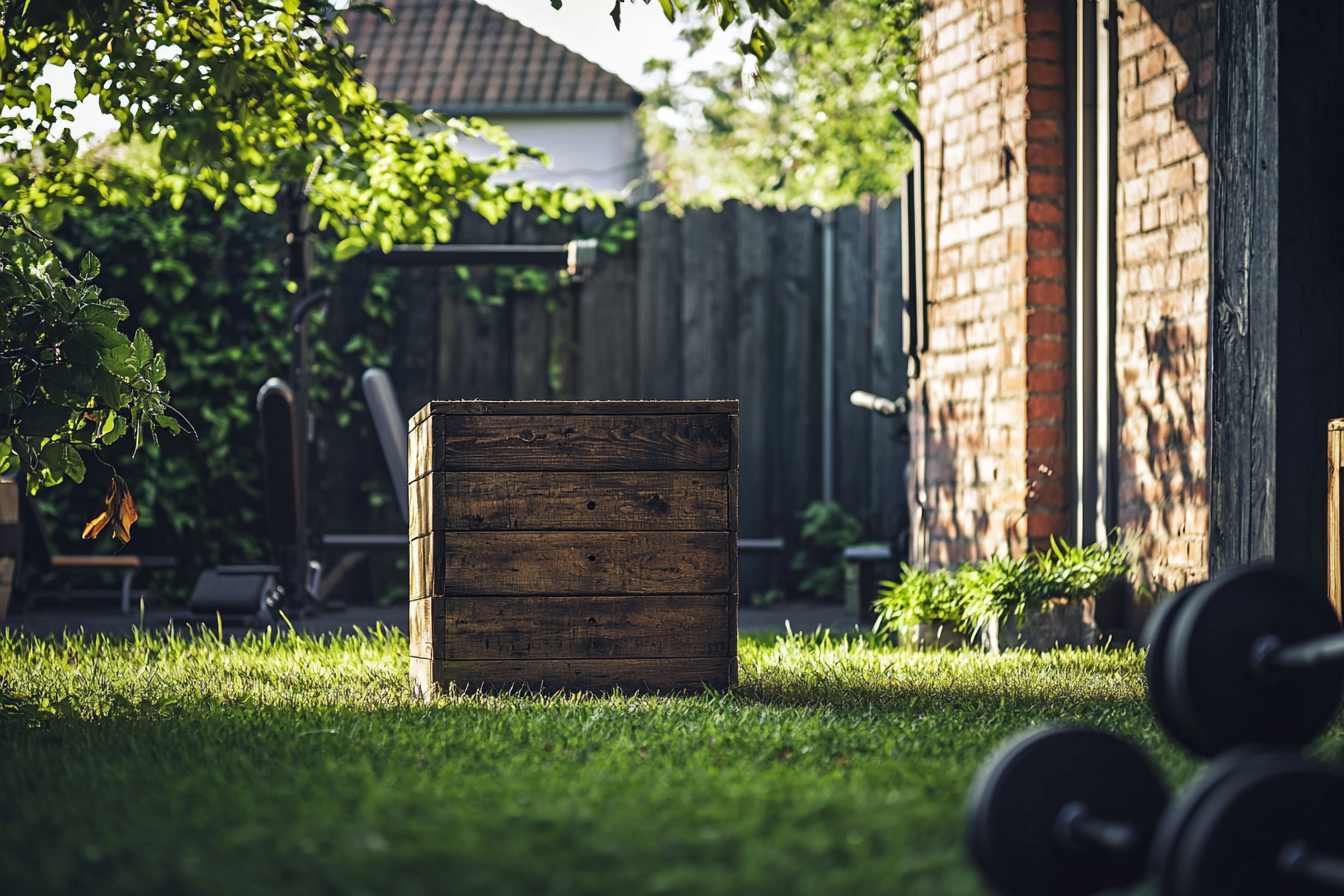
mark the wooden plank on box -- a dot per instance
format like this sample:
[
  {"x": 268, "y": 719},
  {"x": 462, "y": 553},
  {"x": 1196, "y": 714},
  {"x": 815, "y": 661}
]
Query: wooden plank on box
[
  {"x": 628, "y": 675},
  {"x": 1334, "y": 507},
  {"x": 475, "y": 408},
  {"x": 572, "y": 563},
  {"x": 581, "y": 501},
  {"x": 449, "y": 443},
  {"x": 551, "y": 627},
  {"x": 422, "y": 628}
]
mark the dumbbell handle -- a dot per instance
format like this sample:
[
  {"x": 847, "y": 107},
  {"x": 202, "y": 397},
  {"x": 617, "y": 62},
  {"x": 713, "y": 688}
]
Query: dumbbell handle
[
  {"x": 1076, "y": 826},
  {"x": 1297, "y": 860},
  {"x": 1269, "y": 653}
]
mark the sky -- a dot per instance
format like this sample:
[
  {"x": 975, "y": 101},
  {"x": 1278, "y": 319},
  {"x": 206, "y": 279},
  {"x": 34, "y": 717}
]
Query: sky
[{"x": 583, "y": 26}]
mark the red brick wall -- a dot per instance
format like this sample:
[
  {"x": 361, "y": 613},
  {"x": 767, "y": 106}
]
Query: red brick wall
[
  {"x": 1162, "y": 258},
  {"x": 992, "y": 109}
]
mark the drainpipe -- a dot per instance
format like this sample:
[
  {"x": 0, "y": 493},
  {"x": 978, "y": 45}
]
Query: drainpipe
[{"x": 828, "y": 357}]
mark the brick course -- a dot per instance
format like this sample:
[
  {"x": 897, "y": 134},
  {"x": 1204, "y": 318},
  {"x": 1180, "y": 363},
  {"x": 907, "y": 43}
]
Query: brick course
[
  {"x": 993, "y": 100},
  {"x": 1162, "y": 286},
  {"x": 992, "y": 103}
]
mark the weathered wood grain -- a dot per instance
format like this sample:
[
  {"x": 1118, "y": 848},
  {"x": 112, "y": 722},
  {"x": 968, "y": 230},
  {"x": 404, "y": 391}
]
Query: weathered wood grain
[
  {"x": 677, "y": 674},
  {"x": 474, "y": 408},
  {"x": 555, "y": 627},
  {"x": 572, "y": 563},
  {"x": 627, "y": 501},
  {"x": 575, "y": 443},
  {"x": 658, "y": 305},
  {"x": 606, "y": 330},
  {"x": 422, "y": 629},
  {"x": 853, "y": 335},
  {"x": 1334, "y": 460}
]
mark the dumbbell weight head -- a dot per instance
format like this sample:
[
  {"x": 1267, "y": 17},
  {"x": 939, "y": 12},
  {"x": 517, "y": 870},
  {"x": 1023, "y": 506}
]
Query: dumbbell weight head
[
  {"x": 1214, "y": 698},
  {"x": 1013, "y": 819},
  {"x": 1233, "y": 837},
  {"x": 1176, "y": 819},
  {"x": 1156, "y": 634}
]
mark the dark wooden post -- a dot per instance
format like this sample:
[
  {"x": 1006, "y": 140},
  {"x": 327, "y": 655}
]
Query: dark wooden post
[{"x": 1276, "y": 328}]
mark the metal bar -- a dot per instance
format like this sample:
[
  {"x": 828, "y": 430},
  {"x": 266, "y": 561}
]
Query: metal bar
[
  {"x": 411, "y": 255},
  {"x": 365, "y": 541},
  {"x": 1296, "y": 860},
  {"x": 1323, "y": 651}
]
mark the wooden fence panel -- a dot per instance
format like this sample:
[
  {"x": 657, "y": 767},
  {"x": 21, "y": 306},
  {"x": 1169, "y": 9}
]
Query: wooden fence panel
[
  {"x": 658, "y": 306},
  {"x": 890, "y": 449},
  {"x": 606, "y": 330},
  {"x": 853, "y": 329},
  {"x": 798, "y": 318},
  {"x": 708, "y": 309},
  {"x": 710, "y": 305}
]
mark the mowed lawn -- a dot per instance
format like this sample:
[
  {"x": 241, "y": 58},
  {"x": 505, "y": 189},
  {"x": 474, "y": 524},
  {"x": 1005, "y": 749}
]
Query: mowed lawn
[{"x": 297, "y": 765}]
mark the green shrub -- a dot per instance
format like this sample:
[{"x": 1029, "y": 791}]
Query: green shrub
[
  {"x": 999, "y": 586},
  {"x": 920, "y": 596},
  {"x": 827, "y": 531}
]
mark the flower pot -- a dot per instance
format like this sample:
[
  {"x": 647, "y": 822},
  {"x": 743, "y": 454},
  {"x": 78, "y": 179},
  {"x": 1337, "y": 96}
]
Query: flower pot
[
  {"x": 1058, "y": 623},
  {"x": 938, "y": 634}
]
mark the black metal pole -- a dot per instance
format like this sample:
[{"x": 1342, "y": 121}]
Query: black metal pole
[{"x": 299, "y": 274}]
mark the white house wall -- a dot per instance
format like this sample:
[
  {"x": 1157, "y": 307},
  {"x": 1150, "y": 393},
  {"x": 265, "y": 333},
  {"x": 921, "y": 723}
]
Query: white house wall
[{"x": 601, "y": 152}]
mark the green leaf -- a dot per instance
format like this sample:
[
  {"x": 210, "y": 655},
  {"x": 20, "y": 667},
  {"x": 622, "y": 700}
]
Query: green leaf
[
  {"x": 89, "y": 267},
  {"x": 349, "y": 247},
  {"x": 108, "y": 388}
]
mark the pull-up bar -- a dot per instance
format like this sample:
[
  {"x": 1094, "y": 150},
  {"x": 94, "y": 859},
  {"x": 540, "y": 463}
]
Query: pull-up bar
[{"x": 580, "y": 256}]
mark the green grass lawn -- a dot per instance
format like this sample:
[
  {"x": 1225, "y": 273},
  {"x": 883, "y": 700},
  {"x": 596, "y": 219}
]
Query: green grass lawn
[{"x": 295, "y": 765}]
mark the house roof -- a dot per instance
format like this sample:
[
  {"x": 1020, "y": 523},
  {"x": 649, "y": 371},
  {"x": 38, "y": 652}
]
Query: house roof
[{"x": 462, "y": 58}]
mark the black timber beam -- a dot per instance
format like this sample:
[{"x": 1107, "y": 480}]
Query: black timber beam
[
  {"x": 1276, "y": 327},
  {"x": 411, "y": 255}
]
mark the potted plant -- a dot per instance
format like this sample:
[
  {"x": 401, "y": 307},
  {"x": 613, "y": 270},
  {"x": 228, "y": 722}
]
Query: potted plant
[
  {"x": 923, "y": 609},
  {"x": 1043, "y": 600}
]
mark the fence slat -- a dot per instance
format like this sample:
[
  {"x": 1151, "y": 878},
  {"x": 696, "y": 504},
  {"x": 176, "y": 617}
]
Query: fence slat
[
  {"x": 797, "y": 309},
  {"x": 890, "y": 451},
  {"x": 658, "y": 306},
  {"x": 853, "y": 327},
  {"x": 708, "y": 310},
  {"x": 606, "y": 328}
]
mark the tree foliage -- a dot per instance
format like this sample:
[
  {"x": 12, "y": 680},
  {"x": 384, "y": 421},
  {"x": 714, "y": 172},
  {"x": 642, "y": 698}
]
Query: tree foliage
[
  {"x": 71, "y": 380},
  {"x": 217, "y": 98},
  {"x": 816, "y": 130}
]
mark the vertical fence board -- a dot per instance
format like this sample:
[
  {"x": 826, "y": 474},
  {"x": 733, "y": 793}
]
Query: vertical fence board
[
  {"x": 797, "y": 308},
  {"x": 708, "y": 311},
  {"x": 531, "y": 347},
  {"x": 890, "y": 441},
  {"x": 758, "y": 384},
  {"x": 853, "y": 313},
  {"x": 658, "y": 306},
  {"x": 606, "y": 327}
]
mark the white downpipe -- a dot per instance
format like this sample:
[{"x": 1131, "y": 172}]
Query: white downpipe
[{"x": 828, "y": 357}]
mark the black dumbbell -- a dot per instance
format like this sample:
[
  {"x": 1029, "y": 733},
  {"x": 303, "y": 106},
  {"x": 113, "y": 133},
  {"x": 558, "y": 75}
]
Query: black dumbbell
[
  {"x": 1252, "y": 657},
  {"x": 1256, "y": 824},
  {"x": 1063, "y": 812}
]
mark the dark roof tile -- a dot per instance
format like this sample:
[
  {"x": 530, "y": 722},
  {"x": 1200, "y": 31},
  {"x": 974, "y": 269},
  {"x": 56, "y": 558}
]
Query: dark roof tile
[{"x": 460, "y": 56}]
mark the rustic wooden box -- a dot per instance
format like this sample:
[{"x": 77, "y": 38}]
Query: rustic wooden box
[{"x": 583, "y": 545}]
